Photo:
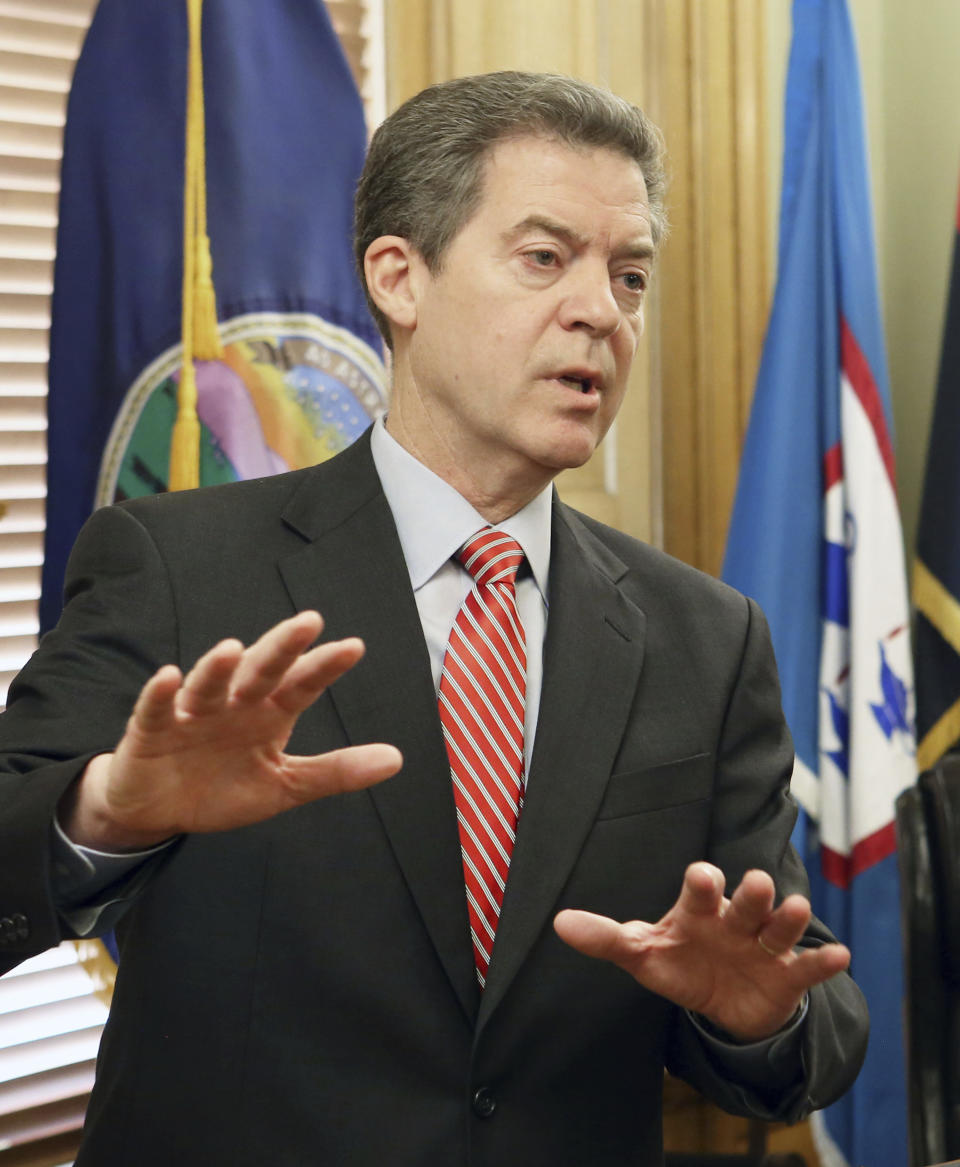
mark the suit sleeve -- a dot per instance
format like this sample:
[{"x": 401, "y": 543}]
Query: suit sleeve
[
  {"x": 70, "y": 702},
  {"x": 751, "y": 828}
]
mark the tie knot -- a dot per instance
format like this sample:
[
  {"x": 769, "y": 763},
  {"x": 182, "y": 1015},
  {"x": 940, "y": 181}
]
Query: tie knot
[{"x": 491, "y": 557}]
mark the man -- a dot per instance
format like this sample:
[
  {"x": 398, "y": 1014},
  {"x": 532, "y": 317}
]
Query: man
[{"x": 384, "y": 976}]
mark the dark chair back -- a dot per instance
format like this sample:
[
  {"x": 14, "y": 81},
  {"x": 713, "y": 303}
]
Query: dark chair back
[{"x": 928, "y": 835}]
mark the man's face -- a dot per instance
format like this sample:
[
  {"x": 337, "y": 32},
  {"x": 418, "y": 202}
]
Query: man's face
[{"x": 524, "y": 338}]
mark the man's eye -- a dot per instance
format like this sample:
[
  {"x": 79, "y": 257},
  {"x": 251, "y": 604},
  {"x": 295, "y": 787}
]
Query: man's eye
[
  {"x": 543, "y": 257},
  {"x": 635, "y": 281}
]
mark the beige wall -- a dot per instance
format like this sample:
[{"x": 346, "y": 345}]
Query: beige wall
[
  {"x": 908, "y": 52},
  {"x": 911, "y": 87}
]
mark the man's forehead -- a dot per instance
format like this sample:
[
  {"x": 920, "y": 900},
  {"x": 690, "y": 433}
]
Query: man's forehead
[
  {"x": 528, "y": 151},
  {"x": 548, "y": 184}
]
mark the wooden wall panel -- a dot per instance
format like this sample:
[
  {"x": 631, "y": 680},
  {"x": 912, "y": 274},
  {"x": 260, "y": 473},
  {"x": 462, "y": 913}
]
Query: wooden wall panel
[
  {"x": 601, "y": 41},
  {"x": 750, "y": 137},
  {"x": 713, "y": 271},
  {"x": 680, "y": 270},
  {"x": 697, "y": 67}
]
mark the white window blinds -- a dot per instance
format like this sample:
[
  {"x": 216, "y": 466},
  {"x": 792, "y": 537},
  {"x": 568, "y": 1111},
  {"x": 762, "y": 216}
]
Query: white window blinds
[
  {"x": 50, "y": 1025},
  {"x": 39, "y": 43}
]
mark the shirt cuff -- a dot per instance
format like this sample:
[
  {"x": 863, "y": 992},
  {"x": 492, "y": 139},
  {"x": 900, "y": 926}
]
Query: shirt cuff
[
  {"x": 80, "y": 876},
  {"x": 776, "y": 1058}
]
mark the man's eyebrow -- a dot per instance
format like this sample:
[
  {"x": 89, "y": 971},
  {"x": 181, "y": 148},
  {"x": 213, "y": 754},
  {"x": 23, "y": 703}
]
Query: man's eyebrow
[
  {"x": 550, "y": 226},
  {"x": 572, "y": 238}
]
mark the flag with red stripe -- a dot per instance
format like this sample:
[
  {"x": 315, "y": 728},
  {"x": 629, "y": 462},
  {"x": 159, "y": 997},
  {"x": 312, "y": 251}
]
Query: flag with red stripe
[{"x": 815, "y": 537}]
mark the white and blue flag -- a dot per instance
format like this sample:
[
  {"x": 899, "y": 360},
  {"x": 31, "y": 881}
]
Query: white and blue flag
[{"x": 815, "y": 538}]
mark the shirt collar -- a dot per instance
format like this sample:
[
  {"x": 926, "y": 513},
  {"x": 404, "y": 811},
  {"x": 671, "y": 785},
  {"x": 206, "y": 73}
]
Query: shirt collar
[{"x": 434, "y": 520}]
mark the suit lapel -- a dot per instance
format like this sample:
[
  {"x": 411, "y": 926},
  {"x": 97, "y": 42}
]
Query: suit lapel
[
  {"x": 352, "y": 569},
  {"x": 592, "y": 659}
]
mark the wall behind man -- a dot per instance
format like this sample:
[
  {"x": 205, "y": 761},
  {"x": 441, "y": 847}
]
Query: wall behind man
[{"x": 911, "y": 91}]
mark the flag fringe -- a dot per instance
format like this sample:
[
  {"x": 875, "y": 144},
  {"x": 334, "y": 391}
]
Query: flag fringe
[{"x": 185, "y": 439}]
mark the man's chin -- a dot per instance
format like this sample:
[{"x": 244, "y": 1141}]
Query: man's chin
[{"x": 570, "y": 453}]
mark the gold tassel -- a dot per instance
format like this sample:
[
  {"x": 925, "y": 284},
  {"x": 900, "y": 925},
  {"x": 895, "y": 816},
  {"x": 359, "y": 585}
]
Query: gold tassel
[
  {"x": 200, "y": 333},
  {"x": 206, "y": 335},
  {"x": 185, "y": 439},
  {"x": 99, "y": 966}
]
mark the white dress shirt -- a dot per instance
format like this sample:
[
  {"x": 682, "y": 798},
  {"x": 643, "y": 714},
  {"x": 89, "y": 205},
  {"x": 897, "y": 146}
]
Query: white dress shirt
[{"x": 434, "y": 521}]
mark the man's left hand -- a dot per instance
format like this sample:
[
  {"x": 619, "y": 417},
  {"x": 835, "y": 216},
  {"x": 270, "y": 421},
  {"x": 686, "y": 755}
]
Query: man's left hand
[{"x": 731, "y": 960}]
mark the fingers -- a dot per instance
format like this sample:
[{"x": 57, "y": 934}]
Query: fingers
[
  {"x": 339, "y": 771},
  {"x": 751, "y": 903},
  {"x": 264, "y": 664},
  {"x": 155, "y": 709},
  {"x": 752, "y": 915},
  {"x": 276, "y": 665},
  {"x": 207, "y": 685},
  {"x": 314, "y": 671},
  {"x": 593, "y": 935},
  {"x": 702, "y": 890},
  {"x": 625, "y": 945},
  {"x": 785, "y": 926},
  {"x": 812, "y": 966},
  {"x": 748, "y": 921}
]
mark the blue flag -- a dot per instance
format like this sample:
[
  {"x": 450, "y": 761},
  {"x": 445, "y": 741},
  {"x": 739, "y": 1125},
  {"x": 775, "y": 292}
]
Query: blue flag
[
  {"x": 815, "y": 537},
  {"x": 301, "y": 374}
]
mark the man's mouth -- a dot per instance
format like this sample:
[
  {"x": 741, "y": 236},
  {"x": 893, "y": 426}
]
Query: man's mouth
[{"x": 584, "y": 384}]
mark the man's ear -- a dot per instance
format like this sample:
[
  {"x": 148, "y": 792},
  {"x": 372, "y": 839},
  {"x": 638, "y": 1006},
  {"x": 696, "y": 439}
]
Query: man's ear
[{"x": 390, "y": 265}]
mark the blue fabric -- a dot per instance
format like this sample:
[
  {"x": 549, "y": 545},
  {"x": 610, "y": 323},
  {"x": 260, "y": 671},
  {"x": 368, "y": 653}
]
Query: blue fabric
[
  {"x": 285, "y": 145},
  {"x": 777, "y": 549}
]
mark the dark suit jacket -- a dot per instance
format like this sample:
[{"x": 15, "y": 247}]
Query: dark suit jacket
[{"x": 302, "y": 991}]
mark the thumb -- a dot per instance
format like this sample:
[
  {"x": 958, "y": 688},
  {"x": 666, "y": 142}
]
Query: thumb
[{"x": 593, "y": 935}]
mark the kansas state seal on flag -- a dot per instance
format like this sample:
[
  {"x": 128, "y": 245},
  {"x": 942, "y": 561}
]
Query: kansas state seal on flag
[
  {"x": 301, "y": 374},
  {"x": 290, "y": 391}
]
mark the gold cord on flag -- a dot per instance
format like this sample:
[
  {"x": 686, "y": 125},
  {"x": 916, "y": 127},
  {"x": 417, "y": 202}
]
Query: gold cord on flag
[
  {"x": 201, "y": 340},
  {"x": 942, "y": 609}
]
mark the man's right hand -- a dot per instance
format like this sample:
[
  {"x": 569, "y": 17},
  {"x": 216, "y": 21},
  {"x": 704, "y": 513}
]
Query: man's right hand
[{"x": 205, "y": 752}]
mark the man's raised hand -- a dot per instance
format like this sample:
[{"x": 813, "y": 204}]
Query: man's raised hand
[
  {"x": 205, "y": 752},
  {"x": 733, "y": 961}
]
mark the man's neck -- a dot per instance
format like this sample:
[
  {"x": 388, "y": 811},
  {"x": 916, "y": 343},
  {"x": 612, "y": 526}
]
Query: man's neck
[{"x": 493, "y": 491}]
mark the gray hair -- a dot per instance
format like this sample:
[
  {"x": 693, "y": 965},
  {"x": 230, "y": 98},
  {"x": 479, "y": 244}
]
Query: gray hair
[{"x": 423, "y": 178}]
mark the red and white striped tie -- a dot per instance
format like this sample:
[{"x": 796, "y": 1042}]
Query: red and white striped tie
[{"x": 481, "y": 709}]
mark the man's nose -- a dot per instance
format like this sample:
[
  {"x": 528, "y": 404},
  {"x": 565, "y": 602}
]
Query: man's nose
[{"x": 589, "y": 303}]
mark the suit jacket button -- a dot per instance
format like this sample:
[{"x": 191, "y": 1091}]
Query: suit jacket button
[
  {"x": 484, "y": 1102},
  {"x": 13, "y": 928}
]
